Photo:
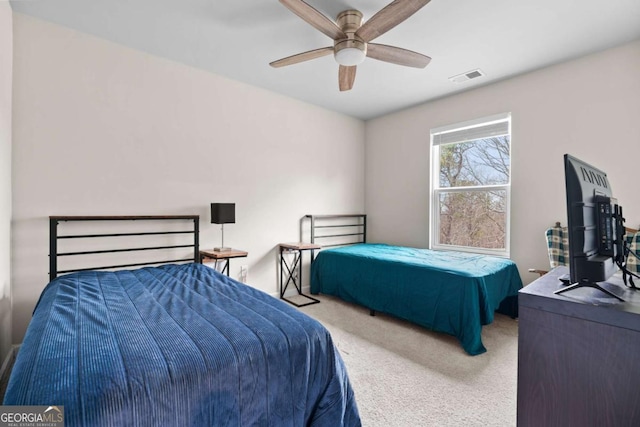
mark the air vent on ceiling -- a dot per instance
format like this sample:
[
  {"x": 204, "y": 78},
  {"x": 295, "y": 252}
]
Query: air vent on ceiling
[{"x": 466, "y": 76}]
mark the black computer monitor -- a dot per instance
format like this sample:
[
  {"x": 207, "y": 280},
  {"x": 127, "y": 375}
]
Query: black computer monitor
[{"x": 594, "y": 223}]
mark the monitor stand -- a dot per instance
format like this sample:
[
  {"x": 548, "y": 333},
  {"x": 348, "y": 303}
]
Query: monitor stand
[{"x": 588, "y": 285}]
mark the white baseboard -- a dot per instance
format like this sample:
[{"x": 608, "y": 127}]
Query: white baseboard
[
  {"x": 5, "y": 370},
  {"x": 8, "y": 361}
]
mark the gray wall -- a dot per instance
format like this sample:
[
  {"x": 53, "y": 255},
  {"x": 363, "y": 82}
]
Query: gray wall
[
  {"x": 588, "y": 107},
  {"x": 100, "y": 129},
  {"x": 6, "y": 60}
]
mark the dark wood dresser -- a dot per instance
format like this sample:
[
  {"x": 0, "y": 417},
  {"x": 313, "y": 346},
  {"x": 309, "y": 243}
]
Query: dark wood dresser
[{"x": 578, "y": 355}]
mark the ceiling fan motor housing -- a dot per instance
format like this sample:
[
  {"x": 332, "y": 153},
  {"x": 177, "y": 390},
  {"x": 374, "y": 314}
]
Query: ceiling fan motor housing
[{"x": 352, "y": 50}]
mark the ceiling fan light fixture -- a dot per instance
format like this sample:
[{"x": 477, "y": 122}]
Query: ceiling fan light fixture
[
  {"x": 350, "y": 56},
  {"x": 350, "y": 52}
]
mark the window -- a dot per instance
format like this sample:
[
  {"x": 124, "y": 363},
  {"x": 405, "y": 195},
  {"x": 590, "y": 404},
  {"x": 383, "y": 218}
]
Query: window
[{"x": 470, "y": 186}]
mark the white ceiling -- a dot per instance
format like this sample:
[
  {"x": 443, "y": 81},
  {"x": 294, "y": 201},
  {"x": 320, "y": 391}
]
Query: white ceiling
[{"x": 238, "y": 39}]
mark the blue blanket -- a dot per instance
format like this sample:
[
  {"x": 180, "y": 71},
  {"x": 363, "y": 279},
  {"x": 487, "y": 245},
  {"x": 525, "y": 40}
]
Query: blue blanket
[
  {"x": 178, "y": 345},
  {"x": 452, "y": 292}
]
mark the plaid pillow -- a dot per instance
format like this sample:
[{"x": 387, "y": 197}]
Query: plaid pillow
[
  {"x": 558, "y": 246},
  {"x": 633, "y": 240}
]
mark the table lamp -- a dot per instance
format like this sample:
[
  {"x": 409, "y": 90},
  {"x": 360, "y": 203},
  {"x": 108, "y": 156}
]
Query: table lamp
[{"x": 223, "y": 213}]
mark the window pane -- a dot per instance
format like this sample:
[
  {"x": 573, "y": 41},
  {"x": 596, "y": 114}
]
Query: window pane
[
  {"x": 480, "y": 162},
  {"x": 473, "y": 218}
]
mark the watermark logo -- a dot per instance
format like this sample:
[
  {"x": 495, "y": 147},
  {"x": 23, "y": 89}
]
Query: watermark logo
[{"x": 31, "y": 416}]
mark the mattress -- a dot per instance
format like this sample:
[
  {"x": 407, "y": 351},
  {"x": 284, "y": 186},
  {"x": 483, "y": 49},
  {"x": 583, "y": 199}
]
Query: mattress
[
  {"x": 452, "y": 292},
  {"x": 178, "y": 345}
]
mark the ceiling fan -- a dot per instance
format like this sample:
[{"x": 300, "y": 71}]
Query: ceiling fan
[{"x": 352, "y": 39}]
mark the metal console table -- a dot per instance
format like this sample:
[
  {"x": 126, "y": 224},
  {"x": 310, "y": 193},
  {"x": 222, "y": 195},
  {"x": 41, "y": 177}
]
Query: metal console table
[
  {"x": 215, "y": 256},
  {"x": 296, "y": 265}
]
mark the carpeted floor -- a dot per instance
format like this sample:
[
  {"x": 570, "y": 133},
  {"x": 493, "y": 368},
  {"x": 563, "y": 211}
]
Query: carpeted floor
[{"x": 405, "y": 375}]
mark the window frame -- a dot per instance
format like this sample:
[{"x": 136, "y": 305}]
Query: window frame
[{"x": 435, "y": 190}]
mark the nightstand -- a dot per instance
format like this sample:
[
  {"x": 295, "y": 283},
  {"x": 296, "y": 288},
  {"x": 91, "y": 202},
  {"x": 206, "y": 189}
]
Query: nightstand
[
  {"x": 215, "y": 256},
  {"x": 296, "y": 264}
]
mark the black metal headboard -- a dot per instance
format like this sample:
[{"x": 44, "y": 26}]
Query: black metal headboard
[
  {"x": 54, "y": 238},
  {"x": 338, "y": 230}
]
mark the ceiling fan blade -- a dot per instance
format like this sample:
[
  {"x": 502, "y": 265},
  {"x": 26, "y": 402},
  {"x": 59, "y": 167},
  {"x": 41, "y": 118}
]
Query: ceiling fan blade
[
  {"x": 301, "y": 57},
  {"x": 346, "y": 77},
  {"x": 397, "y": 55},
  {"x": 314, "y": 18},
  {"x": 388, "y": 17}
]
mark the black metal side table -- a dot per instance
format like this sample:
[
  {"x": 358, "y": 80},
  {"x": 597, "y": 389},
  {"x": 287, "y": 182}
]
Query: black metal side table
[{"x": 290, "y": 269}]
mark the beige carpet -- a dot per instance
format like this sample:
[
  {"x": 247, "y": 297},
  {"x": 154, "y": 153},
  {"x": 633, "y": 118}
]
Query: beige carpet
[{"x": 405, "y": 375}]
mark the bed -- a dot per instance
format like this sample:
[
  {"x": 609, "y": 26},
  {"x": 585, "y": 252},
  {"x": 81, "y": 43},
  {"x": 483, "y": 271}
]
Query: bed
[
  {"x": 451, "y": 292},
  {"x": 177, "y": 344}
]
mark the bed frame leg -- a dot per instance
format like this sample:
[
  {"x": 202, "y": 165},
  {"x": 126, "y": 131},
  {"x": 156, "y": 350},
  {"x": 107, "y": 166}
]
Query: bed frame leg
[{"x": 372, "y": 312}]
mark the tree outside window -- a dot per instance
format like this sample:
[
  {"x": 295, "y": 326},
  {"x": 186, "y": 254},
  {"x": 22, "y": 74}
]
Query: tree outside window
[{"x": 471, "y": 188}]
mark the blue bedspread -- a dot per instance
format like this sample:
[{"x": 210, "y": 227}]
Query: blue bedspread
[
  {"x": 178, "y": 345},
  {"x": 452, "y": 292}
]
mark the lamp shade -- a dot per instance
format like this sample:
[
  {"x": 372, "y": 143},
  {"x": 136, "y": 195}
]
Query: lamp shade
[{"x": 223, "y": 213}]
